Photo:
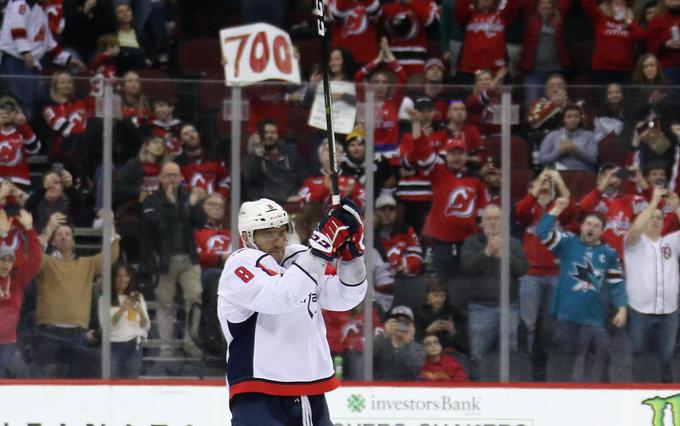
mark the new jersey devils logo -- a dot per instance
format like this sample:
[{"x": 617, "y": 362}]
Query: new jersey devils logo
[
  {"x": 462, "y": 201},
  {"x": 355, "y": 22},
  {"x": 10, "y": 153},
  {"x": 218, "y": 244}
]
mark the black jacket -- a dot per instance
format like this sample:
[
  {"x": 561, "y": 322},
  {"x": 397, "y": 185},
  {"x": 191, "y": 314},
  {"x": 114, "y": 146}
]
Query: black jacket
[
  {"x": 80, "y": 31},
  {"x": 159, "y": 218},
  {"x": 276, "y": 180}
]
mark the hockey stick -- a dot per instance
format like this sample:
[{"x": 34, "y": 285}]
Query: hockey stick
[{"x": 323, "y": 34}]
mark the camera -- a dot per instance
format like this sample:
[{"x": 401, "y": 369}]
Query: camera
[{"x": 623, "y": 173}]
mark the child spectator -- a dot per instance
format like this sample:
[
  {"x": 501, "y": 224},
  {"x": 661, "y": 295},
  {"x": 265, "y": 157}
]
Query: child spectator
[
  {"x": 399, "y": 242},
  {"x": 166, "y": 126},
  {"x": 406, "y": 23},
  {"x": 17, "y": 141},
  {"x": 13, "y": 280},
  {"x": 103, "y": 66},
  {"x": 485, "y": 23},
  {"x": 437, "y": 318},
  {"x": 130, "y": 323},
  {"x": 440, "y": 367},
  {"x": 571, "y": 147},
  {"x": 616, "y": 35}
]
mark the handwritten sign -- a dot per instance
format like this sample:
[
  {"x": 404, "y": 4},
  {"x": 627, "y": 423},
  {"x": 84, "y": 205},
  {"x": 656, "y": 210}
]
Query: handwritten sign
[{"x": 258, "y": 52}]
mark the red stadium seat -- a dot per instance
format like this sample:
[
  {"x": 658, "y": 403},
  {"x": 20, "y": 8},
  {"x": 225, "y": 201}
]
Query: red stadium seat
[
  {"x": 520, "y": 180},
  {"x": 156, "y": 84},
  {"x": 519, "y": 151},
  {"x": 579, "y": 182},
  {"x": 199, "y": 57},
  {"x": 611, "y": 151}
]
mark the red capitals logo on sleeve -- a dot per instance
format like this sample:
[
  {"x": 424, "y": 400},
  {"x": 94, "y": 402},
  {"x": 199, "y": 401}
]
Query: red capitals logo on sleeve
[{"x": 462, "y": 202}]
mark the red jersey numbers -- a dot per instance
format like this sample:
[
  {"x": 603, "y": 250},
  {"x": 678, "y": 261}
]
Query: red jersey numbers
[
  {"x": 462, "y": 202},
  {"x": 244, "y": 274}
]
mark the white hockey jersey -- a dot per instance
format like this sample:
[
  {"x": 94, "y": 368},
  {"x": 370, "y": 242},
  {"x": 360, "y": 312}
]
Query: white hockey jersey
[
  {"x": 26, "y": 29},
  {"x": 271, "y": 318}
]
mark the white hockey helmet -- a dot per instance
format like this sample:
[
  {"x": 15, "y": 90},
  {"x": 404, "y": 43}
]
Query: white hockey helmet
[{"x": 260, "y": 214}]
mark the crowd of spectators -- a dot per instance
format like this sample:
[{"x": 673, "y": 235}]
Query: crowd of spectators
[{"x": 595, "y": 170}]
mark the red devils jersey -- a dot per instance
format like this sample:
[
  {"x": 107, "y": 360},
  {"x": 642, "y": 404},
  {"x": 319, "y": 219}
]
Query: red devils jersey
[
  {"x": 528, "y": 212},
  {"x": 456, "y": 197},
  {"x": 267, "y": 102},
  {"x": 15, "y": 144},
  {"x": 410, "y": 44},
  {"x": 168, "y": 130},
  {"x": 619, "y": 210},
  {"x": 68, "y": 118},
  {"x": 211, "y": 244},
  {"x": 103, "y": 67},
  {"x": 316, "y": 189},
  {"x": 386, "y": 133},
  {"x": 354, "y": 27},
  {"x": 211, "y": 175},
  {"x": 151, "y": 180},
  {"x": 403, "y": 250},
  {"x": 484, "y": 42}
]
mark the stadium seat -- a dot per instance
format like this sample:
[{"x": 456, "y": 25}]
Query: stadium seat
[
  {"x": 579, "y": 182},
  {"x": 199, "y": 57},
  {"x": 157, "y": 84},
  {"x": 519, "y": 151},
  {"x": 611, "y": 151},
  {"x": 521, "y": 369}
]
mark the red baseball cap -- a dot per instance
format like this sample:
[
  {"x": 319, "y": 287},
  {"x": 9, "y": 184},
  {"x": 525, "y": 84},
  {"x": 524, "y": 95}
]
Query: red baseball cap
[
  {"x": 435, "y": 62},
  {"x": 455, "y": 143}
]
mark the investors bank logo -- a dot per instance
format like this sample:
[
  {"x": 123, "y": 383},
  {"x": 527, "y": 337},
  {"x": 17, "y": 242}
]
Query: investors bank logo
[
  {"x": 658, "y": 406},
  {"x": 356, "y": 403}
]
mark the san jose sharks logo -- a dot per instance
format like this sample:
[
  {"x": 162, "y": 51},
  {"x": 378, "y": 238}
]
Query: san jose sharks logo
[{"x": 588, "y": 278}]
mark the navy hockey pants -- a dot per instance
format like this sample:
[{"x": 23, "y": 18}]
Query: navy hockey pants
[{"x": 256, "y": 409}]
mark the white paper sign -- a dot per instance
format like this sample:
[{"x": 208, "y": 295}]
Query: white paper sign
[
  {"x": 258, "y": 52},
  {"x": 344, "y": 113}
]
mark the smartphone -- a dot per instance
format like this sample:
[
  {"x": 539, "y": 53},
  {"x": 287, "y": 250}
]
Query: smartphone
[
  {"x": 402, "y": 326},
  {"x": 58, "y": 168},
  {"x": 661, "y": 183},
  {"x": 623, "y": 173}
]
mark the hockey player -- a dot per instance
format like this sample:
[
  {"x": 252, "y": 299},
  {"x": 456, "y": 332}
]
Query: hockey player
[
  {"x": 269, "y": 306},
  {"x": 590, "y": 273}
]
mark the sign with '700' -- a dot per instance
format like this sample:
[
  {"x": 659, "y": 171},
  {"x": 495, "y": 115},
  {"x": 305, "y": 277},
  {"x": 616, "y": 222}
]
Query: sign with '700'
[{"x": 258, "y": 52}]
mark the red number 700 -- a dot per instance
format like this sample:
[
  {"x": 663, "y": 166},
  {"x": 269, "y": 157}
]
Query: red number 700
[{"x": 280, "y": 51}]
